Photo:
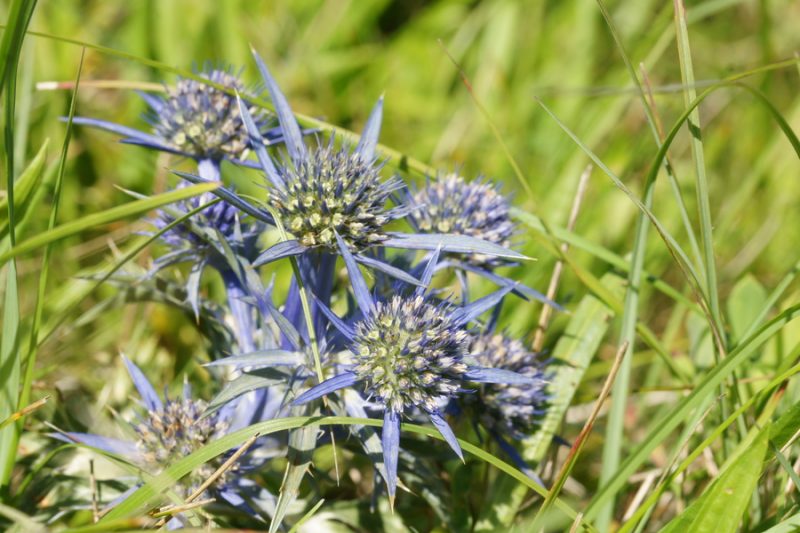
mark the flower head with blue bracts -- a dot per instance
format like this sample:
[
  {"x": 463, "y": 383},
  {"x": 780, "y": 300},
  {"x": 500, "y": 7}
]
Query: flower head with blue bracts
[
  {"x": 450, "y": 204},
  {"x": 514, "y": 410},
  {"x": 320, "y": 192},
  {"x": 169, "y": 430},
  {"x": 410, "y": 352},
  {"x": 196, "y": 120}
]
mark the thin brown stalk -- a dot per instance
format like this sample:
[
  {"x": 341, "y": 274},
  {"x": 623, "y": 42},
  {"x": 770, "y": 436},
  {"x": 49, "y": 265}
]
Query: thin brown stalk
[{"x": 547, "y": 311}]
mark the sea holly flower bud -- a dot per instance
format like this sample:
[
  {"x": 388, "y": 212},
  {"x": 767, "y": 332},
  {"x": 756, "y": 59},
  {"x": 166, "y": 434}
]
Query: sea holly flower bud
[
  {"x": 514, "y": 409},
  {"x": 409, "y": 353},
  {"x": 477, "y": 209},
  {"x": 169, "y": 430},
  {"x": 203, "y": 121}
]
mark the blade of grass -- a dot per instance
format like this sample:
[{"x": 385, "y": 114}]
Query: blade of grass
[
  {"x": 114, "y": 214},
  {"x": 19, "y": 17},
  {"x": 30, "y": 360},
  {"x": 25, "y": 188},
  {"x": 701, "y": 184},
  {"x": 141, "y": 498}
]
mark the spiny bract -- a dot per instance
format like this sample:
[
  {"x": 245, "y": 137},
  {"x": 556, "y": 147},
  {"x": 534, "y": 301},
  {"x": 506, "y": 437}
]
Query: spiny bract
[
  {"x": 410, "y": 353},
  {"x": 334, "y": 191},
  {"x": 452, "y": 205},
  {"x": 203, "y": 121},
  {"x": 514, "y": 409}
]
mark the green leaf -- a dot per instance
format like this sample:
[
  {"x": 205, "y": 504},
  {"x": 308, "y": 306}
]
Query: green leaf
[
  {"x": 747, "y": 297},
  {"x": 106, "y": 217},
  {"x": 302, "y": 442},
  {"x": 787, "y": 425},
  {"x": 722, "y": 505},
  {"x": 24, "y": 186},
  {"x": 247, "y": 382}
]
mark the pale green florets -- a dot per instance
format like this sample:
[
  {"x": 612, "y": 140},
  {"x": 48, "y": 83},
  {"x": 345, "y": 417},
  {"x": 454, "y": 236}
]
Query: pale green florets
[
  {"x": 410, "y": 353},
  {"x": 202, "y": 121},
  {"x": 334, "y": 191}
]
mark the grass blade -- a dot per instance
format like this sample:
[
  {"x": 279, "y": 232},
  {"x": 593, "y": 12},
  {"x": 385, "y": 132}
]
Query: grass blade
[
  {"x": 141, "y": 498},
  {"x": 19, "y": 17},
  {"x": 114, "y": 214}
]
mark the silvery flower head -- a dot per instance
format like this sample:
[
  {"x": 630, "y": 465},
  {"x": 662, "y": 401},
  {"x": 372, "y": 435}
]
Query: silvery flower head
[
  {"x": 514, "y": 409},
  {"x": 169, "y": 430},
  {"x": 200, "y": 120},
  {"x": 450, "y": 204},
  {"x": 410, "y": 353},
  {"x": 196, "y": 120}
]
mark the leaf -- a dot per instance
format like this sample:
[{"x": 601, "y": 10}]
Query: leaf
[
  {"x": 302, "y": 442},
  {"x": 449, "y": 243},
  {"x": 261, "y": 358},
  {"x": 747, "y": 297},
  {"x": 24, "y": 185},
  {"x": 245, "y": 383},
  {"x": 105, "y": 217},
  {"x": 722, "y": 505},
  {"x": 139, "y": 500}
]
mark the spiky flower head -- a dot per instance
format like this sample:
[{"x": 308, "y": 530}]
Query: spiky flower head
[
  {"x": 175, "y": 430},
  {"x": 452, "y": 205},
  {"x": 201, "y": 120},
  {"x": 334, "y": 190},
  {"x": 513, "y": 409},
  {"x": 409, "y": 353}
]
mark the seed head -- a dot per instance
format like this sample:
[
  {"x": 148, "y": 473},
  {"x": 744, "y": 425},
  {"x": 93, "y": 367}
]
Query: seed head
[
  {"x": 477, "y": 209},
  {"x": 512, "y": 409},
  {"x": 334, "y": 191},
  {"x": 203, "y": 121},
  {"x": 410, "y": 353}
]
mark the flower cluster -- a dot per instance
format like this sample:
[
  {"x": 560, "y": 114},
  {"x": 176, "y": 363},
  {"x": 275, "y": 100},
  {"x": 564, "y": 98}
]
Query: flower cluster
[
  {"x": 402, "y": 347},
  {"x": 201, "y": 120},
  {"x": 410, "y": 353},
  {"x": 450, "y": 204},
  {"x": 334, "y": 191},
  {"x": 513, "y": 409}
]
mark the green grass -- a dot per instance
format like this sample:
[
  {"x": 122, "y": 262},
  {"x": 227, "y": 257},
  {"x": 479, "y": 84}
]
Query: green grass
[{"x": 684, "y": 247}]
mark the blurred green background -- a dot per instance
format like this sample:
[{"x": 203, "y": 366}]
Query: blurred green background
[{"x": 335, "y": 58}]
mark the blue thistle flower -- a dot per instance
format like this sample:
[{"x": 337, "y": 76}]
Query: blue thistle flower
[
  {"x": 196, "y": 120},
  {"x": 322, "y": 192},
  {"x": 334, "y": 191},
  {"x": 516, "y": 409},
  {"x": 477, "y": 209},
  {"x": 410, "y": 352},
  {"x": 169, "y": 430}
]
